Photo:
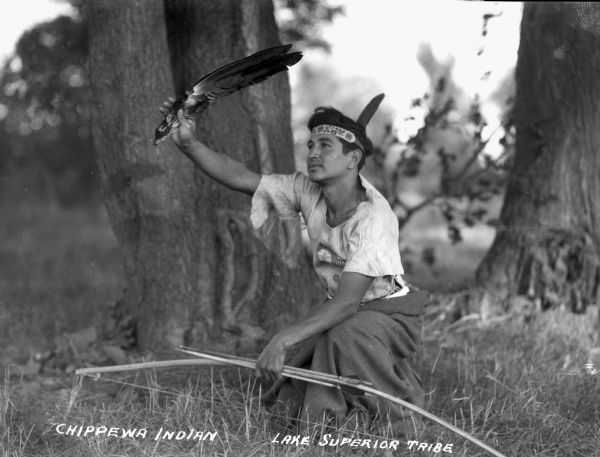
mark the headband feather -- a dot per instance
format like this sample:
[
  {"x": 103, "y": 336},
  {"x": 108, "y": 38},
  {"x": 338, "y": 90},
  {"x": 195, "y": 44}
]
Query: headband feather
[{"x": 369, "y": 110}]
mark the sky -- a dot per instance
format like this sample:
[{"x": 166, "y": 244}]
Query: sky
[
  {"x": 453, "y": 28},
  {"x": 391, "y": 30},
  {"x": 18, "y": 16}
]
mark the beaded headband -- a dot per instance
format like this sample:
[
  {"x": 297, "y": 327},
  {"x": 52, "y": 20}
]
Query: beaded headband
[
  {"x": 347, "y": 135},
  {"x": 340, "y": 132}
]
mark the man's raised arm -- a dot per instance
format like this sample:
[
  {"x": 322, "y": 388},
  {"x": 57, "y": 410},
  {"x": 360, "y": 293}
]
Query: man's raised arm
[{"x": 220, "y": 167}]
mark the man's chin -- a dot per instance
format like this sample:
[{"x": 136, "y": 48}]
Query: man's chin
[{"x": 314, "y": 175}]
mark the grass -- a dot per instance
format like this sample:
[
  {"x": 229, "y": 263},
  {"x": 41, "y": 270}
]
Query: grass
[
  {"x": 59, "y": 270},
  {"x": 517, "y": 386}
]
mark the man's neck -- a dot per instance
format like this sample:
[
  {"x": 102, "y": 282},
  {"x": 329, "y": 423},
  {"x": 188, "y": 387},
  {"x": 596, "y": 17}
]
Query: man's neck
[{"x": 343, "y": 195}]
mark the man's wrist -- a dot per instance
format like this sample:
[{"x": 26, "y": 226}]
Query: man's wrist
[
  {"x": 285, "y": 340},
  {"x": 188, "y": 146}
]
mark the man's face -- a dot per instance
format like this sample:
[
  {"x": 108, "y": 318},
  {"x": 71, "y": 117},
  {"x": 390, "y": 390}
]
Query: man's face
[{"x": 326, "y": 158}]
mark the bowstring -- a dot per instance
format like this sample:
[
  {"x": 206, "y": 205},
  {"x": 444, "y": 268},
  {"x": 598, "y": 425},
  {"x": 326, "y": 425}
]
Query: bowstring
[{"x": 78, "y": 384}]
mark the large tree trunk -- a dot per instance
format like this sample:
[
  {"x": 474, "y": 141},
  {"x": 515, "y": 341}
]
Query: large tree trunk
[
  {"x": 194, "y": 267},
  {"x": 547, "y": 246}
]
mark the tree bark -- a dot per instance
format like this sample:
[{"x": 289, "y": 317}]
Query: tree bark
[
  {"x": 547, "y": 245},
  {"x": 194, "y": 266}
]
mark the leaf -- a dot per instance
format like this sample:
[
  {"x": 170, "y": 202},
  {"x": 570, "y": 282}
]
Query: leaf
[
  {"x": 31, "y": 368},
  {"x": 428, "y": 255},
  {"x": 82, "y": 338},
  {"x": 454, "y": 234},
  {"x": 441, "y": 85},
  {"x": 116, "y": 354},
  {"x": 484, "y": 181},
  {"x": 412, "y": 166},
  {"x": 485, "y": 196},
  {"x": 479, "y": 213}
]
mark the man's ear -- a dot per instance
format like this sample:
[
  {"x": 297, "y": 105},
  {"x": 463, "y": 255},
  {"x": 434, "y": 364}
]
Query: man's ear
[{"x": 356, "y": 156}]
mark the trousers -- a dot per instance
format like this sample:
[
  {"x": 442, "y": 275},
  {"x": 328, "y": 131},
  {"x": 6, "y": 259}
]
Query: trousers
[{"x": 374, "y": 345}]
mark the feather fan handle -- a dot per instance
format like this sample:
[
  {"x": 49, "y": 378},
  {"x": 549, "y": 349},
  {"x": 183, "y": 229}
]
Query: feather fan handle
[{"x": 369, "y": 110}]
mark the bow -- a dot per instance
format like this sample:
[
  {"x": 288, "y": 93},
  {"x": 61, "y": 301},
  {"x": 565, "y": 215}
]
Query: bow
[
  {"x": 216, "y": 359},
  {"x": 330, "y": 380}
]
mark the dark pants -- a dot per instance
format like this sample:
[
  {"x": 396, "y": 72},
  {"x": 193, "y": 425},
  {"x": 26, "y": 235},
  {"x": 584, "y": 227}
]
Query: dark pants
[{"x": 374, "y": 345}]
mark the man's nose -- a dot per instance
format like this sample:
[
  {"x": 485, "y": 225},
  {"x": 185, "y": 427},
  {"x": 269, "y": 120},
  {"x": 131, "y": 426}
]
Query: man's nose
[{"x": 313, "y": 152}]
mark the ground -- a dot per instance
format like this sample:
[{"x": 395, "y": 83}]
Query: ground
[{"x": 521, "y": 387}]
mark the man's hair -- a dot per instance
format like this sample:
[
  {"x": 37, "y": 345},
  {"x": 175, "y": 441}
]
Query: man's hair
[{"x": 331, "y": 116}]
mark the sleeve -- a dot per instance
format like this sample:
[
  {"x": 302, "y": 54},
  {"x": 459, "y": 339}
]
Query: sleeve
[
  {"x": 280, "y": 195},
  {"x": 373, "y": 247}
]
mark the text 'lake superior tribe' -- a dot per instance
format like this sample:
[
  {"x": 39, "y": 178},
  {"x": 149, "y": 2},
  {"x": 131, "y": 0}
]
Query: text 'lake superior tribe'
[{"x": 339, "y": 441}]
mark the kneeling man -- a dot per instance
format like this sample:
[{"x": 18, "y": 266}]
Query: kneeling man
[{"x": 370, "y": 325}]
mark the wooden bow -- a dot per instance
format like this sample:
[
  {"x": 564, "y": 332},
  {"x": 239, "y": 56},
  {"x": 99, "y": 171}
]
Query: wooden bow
[{"x": 213, "y": 358}]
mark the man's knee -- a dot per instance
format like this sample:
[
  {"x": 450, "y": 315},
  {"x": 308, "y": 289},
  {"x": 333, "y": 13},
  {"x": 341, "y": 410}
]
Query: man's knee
[{"x": 349, "y": 330}]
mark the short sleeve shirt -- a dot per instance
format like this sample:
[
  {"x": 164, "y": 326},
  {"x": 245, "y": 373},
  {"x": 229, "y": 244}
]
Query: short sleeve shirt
[{"x": 366, "y": 243}]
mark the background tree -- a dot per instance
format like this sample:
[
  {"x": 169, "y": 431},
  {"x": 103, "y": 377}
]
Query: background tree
[
  {"x": 47, "y": 149},
  {"x": 548, "y": 240},
  {"x": 193, "y": 265},
  {"x": 44, "y": 115}
]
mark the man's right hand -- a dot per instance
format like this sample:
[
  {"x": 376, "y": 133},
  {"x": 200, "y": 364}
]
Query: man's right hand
[
  {"x": 229, "y": 172},
  {"x": 185, "y": 135}
]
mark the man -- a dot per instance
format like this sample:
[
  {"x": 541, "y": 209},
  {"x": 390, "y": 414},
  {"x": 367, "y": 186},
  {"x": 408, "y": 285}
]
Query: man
[{"x": 371, "y": 323}]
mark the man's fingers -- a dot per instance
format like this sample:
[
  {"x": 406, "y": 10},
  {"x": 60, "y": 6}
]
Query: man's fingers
[
  {"x": 274, "y": 371},
  {"x": 259, "y": 371},
  {"x": 266, "y": 370},
  {"x": 269, "y": 375},
  {"x": 182, "y": 119}
]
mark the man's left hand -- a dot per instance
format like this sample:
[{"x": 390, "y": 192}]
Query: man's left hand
[{"x": 270, "y": 362}]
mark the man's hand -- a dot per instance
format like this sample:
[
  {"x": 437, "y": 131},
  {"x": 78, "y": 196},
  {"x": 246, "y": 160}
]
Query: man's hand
[
  {"x": 270, "y": 362},
  {"x": 345, "y": 304},
  {"x": 184, "y": 136},
  {"x": 220, "y": 167}
]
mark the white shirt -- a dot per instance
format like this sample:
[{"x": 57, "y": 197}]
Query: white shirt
[{"x": 366, "y": 242}]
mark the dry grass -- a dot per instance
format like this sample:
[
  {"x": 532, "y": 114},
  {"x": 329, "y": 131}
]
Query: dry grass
[{"x": 518, "y": 387}]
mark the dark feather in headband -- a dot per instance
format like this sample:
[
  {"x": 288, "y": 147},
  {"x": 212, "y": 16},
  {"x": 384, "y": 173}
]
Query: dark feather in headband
[{"x": 369, "y": 110}]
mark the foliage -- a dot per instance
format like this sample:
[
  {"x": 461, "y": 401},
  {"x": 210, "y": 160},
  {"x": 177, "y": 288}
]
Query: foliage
[
  {"x": 300, "y": 21},
  {"x": 46, "y": 123},
  {"x": 464, "y": 186},
  {"x": 447, "y": 163},
  {"x": 469, "y": 177}
]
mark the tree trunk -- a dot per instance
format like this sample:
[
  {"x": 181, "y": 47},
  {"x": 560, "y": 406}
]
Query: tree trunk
[
  {"x": 547, "y": 245},
  {"x": 194, "y": 266}
]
